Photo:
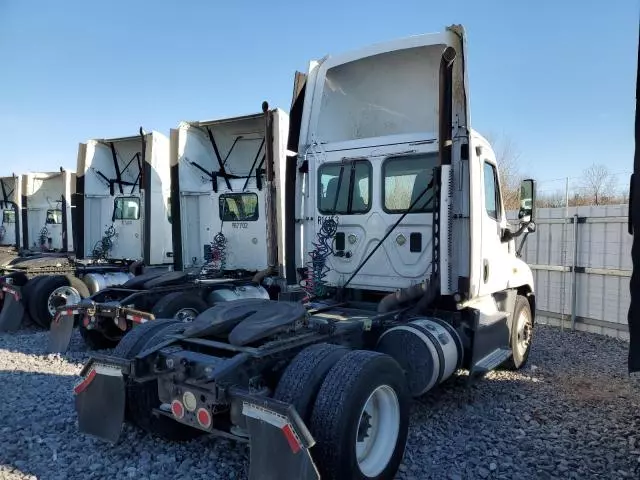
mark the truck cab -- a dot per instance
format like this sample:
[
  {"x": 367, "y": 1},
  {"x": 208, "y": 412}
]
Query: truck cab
[
  {"x": 46, "y": 211},
  {"x": 220, "y": 189},
  {"x": 372, "y": 149},
  {"x": 123, "y": 200},
  {"x": 10, "y": 202}
]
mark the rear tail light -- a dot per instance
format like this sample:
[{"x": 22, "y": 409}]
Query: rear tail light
[
  {"x": 177, "y": 409},
  {"x": 204, "y": 418}
]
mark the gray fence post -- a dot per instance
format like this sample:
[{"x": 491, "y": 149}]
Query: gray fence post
[{"x": 574, "y": 263}]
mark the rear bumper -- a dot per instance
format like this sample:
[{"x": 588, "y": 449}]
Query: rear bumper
[
  {"x": 280, "y": 440},
  {"x": 92, "y": 315}
]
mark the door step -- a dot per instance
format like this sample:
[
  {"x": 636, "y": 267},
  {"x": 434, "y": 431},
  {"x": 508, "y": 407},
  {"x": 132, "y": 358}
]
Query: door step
[{"x": 491, "y": 361}]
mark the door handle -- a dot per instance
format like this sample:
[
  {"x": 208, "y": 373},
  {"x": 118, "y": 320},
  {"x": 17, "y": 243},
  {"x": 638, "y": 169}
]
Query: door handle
[{"x": 485, "y": 270}]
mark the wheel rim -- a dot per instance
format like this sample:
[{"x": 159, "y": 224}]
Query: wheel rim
[
  {"x": 524, "y": 332},
  {"x": 186, "y": 314},
  {"x": 62, "y": 296},
  {"x": 378, "y": 429}
]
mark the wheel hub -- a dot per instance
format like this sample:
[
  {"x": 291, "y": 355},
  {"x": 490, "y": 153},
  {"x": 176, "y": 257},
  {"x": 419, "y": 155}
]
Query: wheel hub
[
  {"x": 524, "y": 332},
  {"x": 364, "y": 427},
  {"x": 62, "y": 296},
  {"x": 378, "y": 430},
  {"x": 186, "y": 314}
]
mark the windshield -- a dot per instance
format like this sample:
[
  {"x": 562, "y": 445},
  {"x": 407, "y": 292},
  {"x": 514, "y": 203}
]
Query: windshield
[{"x": 344, "y": 187}]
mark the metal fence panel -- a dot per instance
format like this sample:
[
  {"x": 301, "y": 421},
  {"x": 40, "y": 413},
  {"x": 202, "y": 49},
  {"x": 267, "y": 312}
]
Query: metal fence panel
[{"x": 581, "y": 252}]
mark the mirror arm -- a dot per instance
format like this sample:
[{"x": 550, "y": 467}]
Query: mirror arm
[
  {"x": 508, "y": 235},
  {"x": 524, "y": 240}
]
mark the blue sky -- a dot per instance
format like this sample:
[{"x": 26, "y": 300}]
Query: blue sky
[{"x": 557, "y": 78}]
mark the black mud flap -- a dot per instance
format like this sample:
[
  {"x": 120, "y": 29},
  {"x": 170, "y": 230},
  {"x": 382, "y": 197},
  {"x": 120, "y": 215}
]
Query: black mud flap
[
  {"x": 100, "y": 402},
  {"x": 60, "y": 331},
  {"x": 12, "y": 309},
  {"x": 490, "y": 343},
  {"x": 280, "y": 441}
]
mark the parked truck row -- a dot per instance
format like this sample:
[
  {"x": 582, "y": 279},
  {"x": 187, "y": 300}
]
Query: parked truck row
[{"x": 313, "y": 271}]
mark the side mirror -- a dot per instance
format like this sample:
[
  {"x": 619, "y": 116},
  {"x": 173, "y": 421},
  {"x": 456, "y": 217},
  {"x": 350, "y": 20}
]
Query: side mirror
[{"x": 527, "y": 201}]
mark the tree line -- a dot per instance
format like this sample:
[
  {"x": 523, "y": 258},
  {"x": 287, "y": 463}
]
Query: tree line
[{"x": 596, "y": 186}]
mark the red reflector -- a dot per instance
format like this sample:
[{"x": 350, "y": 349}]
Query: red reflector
[
  {"x": 204, "y": 418},
  {"x": 85, "y": 321},
  {"x": 177, "y": 409},
  {"x": 82, "y": 386},
  {"x": 294, "y": 444}
]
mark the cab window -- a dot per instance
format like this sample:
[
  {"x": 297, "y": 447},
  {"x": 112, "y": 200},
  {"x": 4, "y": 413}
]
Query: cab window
[
  {"x": 54, "y": 217},
  {"x": 344, "y": 188},
  {"x": 126, "y": 208},
  {"x": 238, "y": 207},
  {"x": 8, "y": 216},
  {"x": 491, "y": 191},
  {"x": 407, "y": 182}
]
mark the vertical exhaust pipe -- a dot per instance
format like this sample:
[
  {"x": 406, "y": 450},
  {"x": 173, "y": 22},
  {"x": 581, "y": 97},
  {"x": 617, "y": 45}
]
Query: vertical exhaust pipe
[
  {"x": 270, "y": 193},
  {"x": 446, "y": 105}
]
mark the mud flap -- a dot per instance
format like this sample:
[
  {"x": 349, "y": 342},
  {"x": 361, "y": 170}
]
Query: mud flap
[
  {"x": 280, "y": 441},
  {"x": 100, "y": 402},
  {"x": 60, "y": 332},
  {"x": 12, "y": 309},
  {"x": 490, "y": 343}
]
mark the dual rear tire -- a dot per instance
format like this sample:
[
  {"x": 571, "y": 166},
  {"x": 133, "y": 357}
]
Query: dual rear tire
[{"x": 356, "y": 404}]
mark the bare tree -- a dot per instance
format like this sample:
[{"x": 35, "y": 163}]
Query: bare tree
[
  {"x": 598, "y": 184},
  {"x": 508, "y": 156},
  {"x": 551, "y": 200}
]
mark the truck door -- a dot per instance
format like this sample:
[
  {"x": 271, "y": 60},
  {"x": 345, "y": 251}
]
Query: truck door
[
  {"x": 495, "y": 268},
  {"x": 127, "y": 219}
]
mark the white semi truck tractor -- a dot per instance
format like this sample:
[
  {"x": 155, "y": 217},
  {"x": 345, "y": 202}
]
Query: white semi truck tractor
[{"x": 396, "y": 231}]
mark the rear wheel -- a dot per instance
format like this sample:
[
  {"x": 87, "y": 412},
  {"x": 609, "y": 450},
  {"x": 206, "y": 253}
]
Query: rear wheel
[
  {"x": 52, "y": 292},
  {"x": 360, "y": 418},
  {"x": 303, "y": 377},
  {"x": 28, "y": 290},
  {"x": 180, "y": 306},
  {"x": 142, "y": 398}
]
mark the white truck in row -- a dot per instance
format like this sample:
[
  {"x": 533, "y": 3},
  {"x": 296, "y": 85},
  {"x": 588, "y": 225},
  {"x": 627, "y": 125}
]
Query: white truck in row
[
  {"x": 36, "y": 213},
  {"x": 98, "y": 221}
]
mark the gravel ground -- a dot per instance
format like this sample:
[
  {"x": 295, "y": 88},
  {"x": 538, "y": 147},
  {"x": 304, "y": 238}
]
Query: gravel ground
[{"x": 570, "y": 414}]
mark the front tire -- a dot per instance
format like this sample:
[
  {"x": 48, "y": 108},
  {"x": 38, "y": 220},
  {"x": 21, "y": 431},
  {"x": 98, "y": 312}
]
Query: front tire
[
  {"x": 521, "y": 334},
  {"x": 360, "y": 418}
]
